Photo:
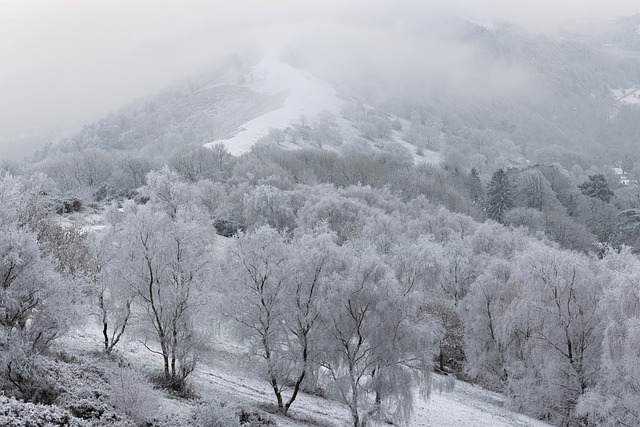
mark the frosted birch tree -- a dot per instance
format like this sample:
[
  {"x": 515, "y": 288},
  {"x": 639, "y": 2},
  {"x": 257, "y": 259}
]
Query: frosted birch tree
[
  {"x": 114, "y": 297},
  {"x": 373, "y": 354},
  {"x": 615, "y": 399},
  {"x": 163, "y": 257},
  {"x": 258, "y": 271},
  {"x": 557, "y": 313}
]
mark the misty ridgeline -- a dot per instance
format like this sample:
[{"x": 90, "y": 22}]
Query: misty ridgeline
[{"x": 348, "y": 236}]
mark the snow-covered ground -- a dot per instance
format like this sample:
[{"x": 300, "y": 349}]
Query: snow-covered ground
[
  {"x": 306, "y": 96},
  {"x": 627, "y": 96},
  {"x": 89, "y": 219},
  {"x": 223, "y": 377}
]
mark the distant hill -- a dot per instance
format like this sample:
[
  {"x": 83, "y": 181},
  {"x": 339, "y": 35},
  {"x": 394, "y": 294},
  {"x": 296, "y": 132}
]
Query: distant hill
[{"x": 567, "y": 115}]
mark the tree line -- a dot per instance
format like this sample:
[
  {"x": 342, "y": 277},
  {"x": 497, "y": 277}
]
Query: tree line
[{"x": 356, "y": 291}]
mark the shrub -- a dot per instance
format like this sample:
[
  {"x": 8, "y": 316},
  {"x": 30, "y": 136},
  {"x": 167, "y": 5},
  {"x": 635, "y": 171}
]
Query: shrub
[
  {"x": 132, "y": 394},
  {"x": 178, "y": 386},
  {"x": 227, "y": 228},
  {"x": 25, "y": 375},
  {"x": 254, "y": 419},
  {"x": 215, "y": 416},
  {"x": 14, "y": 413},
  {"x": 223, "y": 416}
]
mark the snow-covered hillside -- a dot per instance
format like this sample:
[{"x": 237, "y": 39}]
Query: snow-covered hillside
[
  {"x": 305, "y": 96},
  {"x": 221, "y": 378}
]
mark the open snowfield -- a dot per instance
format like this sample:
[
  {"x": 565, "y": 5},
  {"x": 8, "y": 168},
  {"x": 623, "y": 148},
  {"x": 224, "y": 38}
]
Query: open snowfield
[
  {"x": 223, "y": 376},
  {"x": 305, "y": 96}
]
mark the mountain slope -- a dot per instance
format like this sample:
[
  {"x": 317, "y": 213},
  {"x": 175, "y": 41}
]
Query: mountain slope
[{"x": 304, "y": 95}]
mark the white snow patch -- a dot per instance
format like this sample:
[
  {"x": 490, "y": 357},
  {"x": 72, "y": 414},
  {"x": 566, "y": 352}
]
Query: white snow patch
[
  {"x": 638, "y": 29},
  {"x": 627, "y": 96},
  {"x": 88, "y": 220},
  {"x": 306, "y": 96},
  {"x": 468, "y": 405}
]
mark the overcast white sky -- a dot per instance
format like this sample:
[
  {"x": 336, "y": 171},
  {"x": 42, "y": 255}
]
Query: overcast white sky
[{"x": 67, "y": 62}]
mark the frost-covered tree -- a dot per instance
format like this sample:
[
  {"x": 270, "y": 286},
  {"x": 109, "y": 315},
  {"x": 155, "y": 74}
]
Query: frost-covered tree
[
  {"x": 601, "y": 218},
  {"x": 84, "y": 169},
  {"x": 163, "y": 256},
  {"x": 36, "y": 304},
  {"x": 373, "y": 353},
  {"x": 166, "y": 191},
  {"x": 555, "y": 317},
  {"x": 418, "y": 266},
  {"x": 197, "y": 163},
  {"x": 223, "y": 159},
  {"x": 460, "y": 268},
  {"x": 29, "y": 289},
  {"x": 615, "y": 399},
  {"x": 270, "y": 206},
  {"x": 130, "y": 173},
  {"x": 486, "y": 313},
  {"x": 113, "y": 297},
  {"x": 563, "y": 186},
  {"x": 534, "y": 191},
  {"x": 568, "y": 233},
  {"x": 343, "y": 215},
  {"x": 451, "y": 344},
  {"x": 258, "y": 271},
  {"x": 314, "y": 260}
]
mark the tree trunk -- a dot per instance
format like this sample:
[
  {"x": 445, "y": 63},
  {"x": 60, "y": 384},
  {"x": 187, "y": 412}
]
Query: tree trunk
[
  {"x": 276, "y": 390},
  {"x": 105, "y": 328},
  {"x": 296, "y": 388}
]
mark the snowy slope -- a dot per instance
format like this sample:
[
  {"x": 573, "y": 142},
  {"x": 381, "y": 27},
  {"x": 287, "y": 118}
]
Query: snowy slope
[
  {"x": 222, "y": 377},
  {"x": 305, "y": 96},
  {"x": 627, "y": 96}
]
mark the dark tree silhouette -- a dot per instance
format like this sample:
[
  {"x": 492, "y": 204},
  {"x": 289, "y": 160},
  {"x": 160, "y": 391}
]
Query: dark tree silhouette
[
  {"x": 476, "y": 190},
  {"x": 499, "y": 195},
  {"x": 597, "y": 187}
]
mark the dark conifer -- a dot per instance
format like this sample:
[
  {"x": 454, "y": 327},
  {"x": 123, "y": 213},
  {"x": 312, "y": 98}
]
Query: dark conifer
[{"x": 499, "y": 195}]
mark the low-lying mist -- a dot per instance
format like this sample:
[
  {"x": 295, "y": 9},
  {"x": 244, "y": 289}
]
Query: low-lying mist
[{"x": 71, "y": 62}]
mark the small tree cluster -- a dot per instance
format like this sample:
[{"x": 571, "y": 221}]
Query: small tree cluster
[{"x": 313, "y": 310}]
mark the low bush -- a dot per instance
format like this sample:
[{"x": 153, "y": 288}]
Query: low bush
[
  {"x": 131, "y": 393},
  {"x": 14, "y": 413},
  {"x": 223, "y": 416},
  {"x": 215, "y": 416}
]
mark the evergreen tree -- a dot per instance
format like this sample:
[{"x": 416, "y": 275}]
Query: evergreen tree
[
  {"x": 476, "y": 190},
  {"x": 597, "y": 187},
  {"x": 499, "y": 195}
]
